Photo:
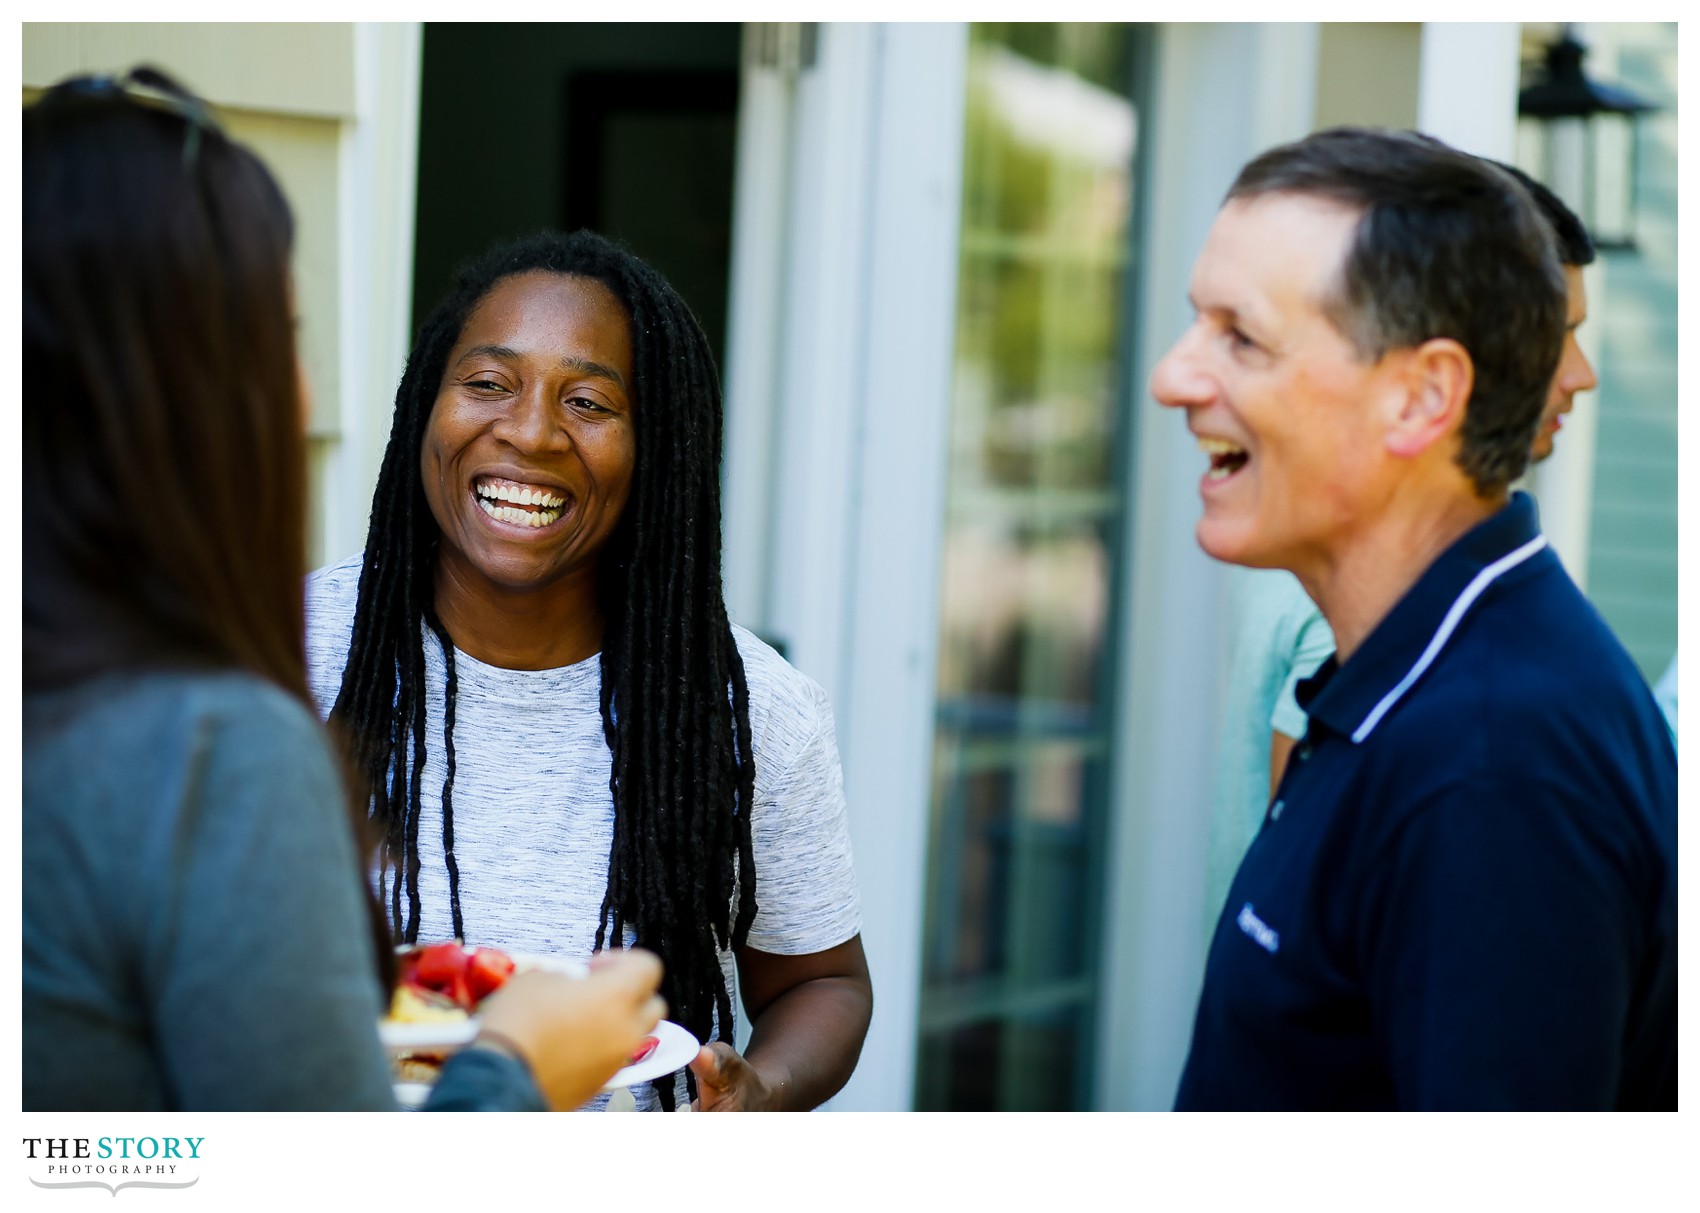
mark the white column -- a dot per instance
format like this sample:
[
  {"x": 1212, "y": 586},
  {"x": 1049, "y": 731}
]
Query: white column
[
  {"x": 378, "y": 165},
  {"x": 1223, "y": 92},
  {"x": 839, "y": 358},
  {"x": 820, "y": 356},
  {"x": 755, "y": 324},
  {"x": 1467, "y": 91},
  {"x": 900, "y": 408}
]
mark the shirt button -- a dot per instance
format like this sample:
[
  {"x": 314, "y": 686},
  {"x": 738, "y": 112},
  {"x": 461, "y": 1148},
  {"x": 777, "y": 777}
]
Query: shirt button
[
  {"x": 1275, "y": 810},
  {"x": 1303, "y": 752}
]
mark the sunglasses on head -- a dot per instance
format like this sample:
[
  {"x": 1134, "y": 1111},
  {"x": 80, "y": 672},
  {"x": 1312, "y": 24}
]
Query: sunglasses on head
[{"x": 136, "y": 87}]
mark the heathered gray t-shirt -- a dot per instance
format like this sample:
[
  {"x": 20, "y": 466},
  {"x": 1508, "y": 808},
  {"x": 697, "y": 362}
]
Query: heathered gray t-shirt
[{"x": 533, "y": 818}]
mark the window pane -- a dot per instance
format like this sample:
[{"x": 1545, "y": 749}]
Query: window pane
[{"x": 1034, "y": 505}]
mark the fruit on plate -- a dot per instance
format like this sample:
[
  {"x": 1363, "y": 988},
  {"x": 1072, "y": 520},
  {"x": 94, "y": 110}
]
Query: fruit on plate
[
  {"x": 486, "y": 970},
  {"x": 461, "y": 975},
  {"x": 645, "y": 1049}
]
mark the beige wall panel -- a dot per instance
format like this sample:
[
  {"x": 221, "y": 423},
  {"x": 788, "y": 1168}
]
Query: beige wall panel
[
  {"x": 1368, "y": 73},
  {"x": 304, "y": 155},
  {"x": 305, "y": 68},
  {"x": 50, "y": 52}
]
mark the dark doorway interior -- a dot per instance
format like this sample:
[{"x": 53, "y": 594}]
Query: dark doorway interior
[
  {"x": 629, "y": 129},
  {"x": 658, "y": 147}
]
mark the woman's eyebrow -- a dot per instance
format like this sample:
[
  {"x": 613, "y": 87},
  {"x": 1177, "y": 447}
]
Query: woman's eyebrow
[
  {"x": 584, "y": 366},
  {"x": 488, "y": 351}
]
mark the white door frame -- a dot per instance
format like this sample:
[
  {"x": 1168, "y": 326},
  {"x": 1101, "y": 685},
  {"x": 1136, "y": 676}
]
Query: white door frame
[{"x": 839, "y": 355}]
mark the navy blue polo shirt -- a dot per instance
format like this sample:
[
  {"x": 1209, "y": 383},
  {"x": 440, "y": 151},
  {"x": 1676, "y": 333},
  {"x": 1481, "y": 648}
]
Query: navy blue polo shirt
[{"x": 1464, "y": 892}]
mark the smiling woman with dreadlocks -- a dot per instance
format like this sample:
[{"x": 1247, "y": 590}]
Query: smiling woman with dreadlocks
[{"x": 567, "y": 744}]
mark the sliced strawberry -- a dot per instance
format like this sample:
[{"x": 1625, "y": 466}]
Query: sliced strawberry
[
  {"x": 458, "y": 990},
  {"x": 439, "y": 965},
  {"x": 487, "y": 970},
  {"x": 649, "y": 1045}
]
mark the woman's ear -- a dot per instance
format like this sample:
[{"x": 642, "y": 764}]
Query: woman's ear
[{"x": 1435, "y": 380}]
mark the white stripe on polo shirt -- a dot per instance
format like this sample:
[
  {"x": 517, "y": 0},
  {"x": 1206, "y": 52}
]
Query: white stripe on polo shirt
[{"x": 1448, "y": 625}]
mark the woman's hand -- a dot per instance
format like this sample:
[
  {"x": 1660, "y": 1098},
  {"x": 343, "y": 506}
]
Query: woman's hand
[
  {"x": 726, "y": 1082},
  {"x": 808, "y": 1017},
  {"x": 575, "y": 1032}
]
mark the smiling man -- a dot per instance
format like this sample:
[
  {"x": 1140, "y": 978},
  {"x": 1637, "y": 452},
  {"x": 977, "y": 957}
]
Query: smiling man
[
  {"x": 1279, "y": 637},
  {"x": 1464, "y": 896}
]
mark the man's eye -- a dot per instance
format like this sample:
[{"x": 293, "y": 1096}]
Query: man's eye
[
  {"x": 1240, "y": 341},
  {"x": 484, "y": 385},
  {"x": 587, "y": 404}
]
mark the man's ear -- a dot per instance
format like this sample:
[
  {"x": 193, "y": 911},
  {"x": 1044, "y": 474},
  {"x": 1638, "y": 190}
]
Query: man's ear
[{"x": 1435, "y": 380}]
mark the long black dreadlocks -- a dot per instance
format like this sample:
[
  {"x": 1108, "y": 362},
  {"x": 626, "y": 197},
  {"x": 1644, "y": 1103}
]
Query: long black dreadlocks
[{"x": 675, "y": 705}]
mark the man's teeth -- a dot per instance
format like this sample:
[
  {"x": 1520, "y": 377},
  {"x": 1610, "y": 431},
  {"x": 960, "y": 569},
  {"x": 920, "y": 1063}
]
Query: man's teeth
[
  {"x": 507, "y": 513},
  {"x": 1225, "y": 457}
]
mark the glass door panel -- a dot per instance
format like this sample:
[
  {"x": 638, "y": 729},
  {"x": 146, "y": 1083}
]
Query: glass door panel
[{"x": 1035, "y": 504}]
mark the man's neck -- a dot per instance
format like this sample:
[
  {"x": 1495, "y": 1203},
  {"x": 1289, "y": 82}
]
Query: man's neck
[{"x": 1364, "y": 577}]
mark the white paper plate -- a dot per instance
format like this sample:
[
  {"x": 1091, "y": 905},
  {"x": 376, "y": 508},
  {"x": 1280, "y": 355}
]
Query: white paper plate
[
  {"x": 678, "y": 1048},
  {"x": 675, "y": 1051}
]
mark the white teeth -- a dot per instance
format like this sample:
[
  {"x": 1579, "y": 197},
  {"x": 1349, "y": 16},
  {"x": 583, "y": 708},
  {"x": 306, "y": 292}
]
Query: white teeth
[
  {"x": 520, "y": 495},
  {"x": 505, "y": 513},
  {"x": 1218, "y": 446},
  {"x": 1226, "y": 457}
]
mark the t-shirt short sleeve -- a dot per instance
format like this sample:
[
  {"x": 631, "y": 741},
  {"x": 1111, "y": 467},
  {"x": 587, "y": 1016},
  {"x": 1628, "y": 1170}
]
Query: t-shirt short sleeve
[
  {"x": 331, "y": 596},
  {"x": 805, "y": 883}
]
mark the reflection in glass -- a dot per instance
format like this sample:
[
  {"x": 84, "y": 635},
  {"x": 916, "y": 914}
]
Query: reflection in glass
[{"x": 1034, "y": 506}]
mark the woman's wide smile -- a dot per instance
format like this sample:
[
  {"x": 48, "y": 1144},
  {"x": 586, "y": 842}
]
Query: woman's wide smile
[{"x": 518, "y": 504}]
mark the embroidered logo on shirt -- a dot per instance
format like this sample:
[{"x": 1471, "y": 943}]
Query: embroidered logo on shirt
[{"x": 1261, "y": 933}]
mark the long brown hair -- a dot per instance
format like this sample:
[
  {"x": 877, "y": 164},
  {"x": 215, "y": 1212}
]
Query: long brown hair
[
  {"x": 164, "y": 460},
  {"x": 163, "y": 465}
]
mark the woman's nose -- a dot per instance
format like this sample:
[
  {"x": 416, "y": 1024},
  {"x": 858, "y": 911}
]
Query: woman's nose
[{"x": 530, "y": 423}]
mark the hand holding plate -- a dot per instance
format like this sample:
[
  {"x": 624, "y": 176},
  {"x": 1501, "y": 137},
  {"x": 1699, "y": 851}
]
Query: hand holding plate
[
  {"x": 727, "y": 1082},
  {"x": 575, "y": 1032}
]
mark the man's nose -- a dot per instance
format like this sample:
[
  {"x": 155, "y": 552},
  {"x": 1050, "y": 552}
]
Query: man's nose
[{"x": 1179, "y": 379}]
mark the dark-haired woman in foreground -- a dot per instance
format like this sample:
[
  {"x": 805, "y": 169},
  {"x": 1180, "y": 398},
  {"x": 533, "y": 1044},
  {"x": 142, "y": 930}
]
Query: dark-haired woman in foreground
[
  {"x": 196, "y": 929},
  {"x": 566, "y": 743}
]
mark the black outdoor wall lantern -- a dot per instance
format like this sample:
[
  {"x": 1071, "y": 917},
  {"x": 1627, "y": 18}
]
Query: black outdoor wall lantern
[{"x": 1581, "y": 137}]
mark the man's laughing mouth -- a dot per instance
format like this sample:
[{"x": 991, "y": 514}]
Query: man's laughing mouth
[{"x": 1226, "y": 458}]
